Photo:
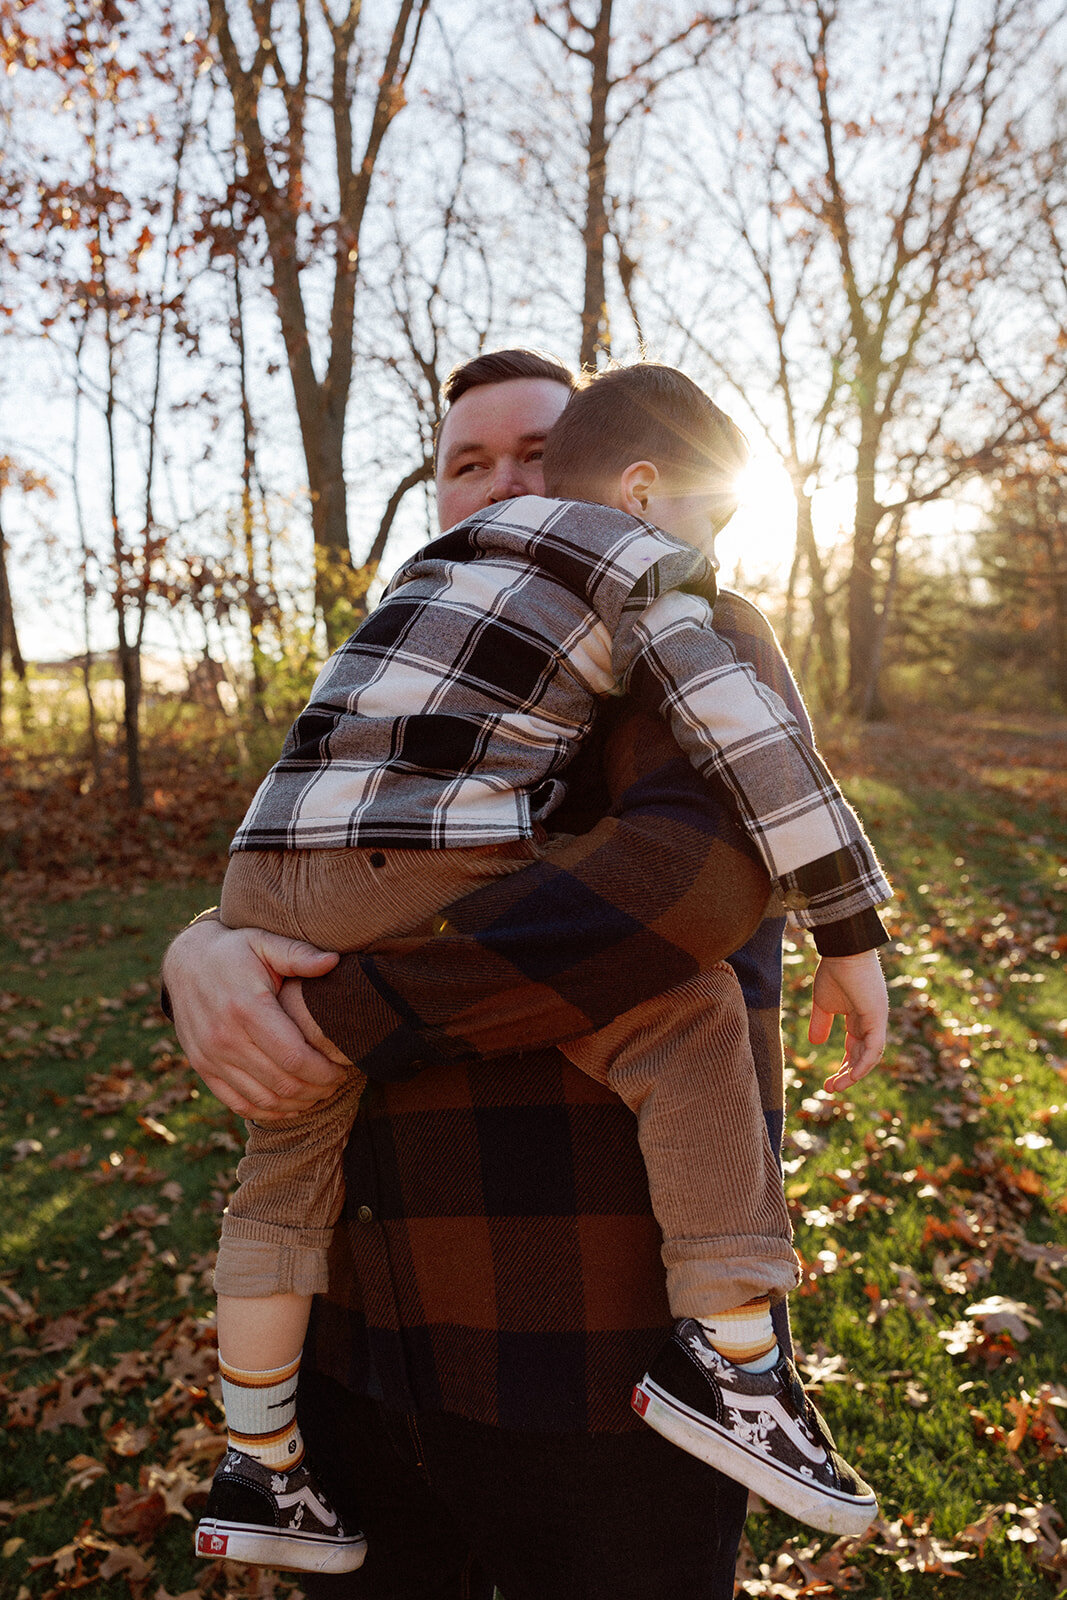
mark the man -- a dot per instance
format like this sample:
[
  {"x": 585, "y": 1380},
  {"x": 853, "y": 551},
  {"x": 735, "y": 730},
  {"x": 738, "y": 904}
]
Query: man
[{"x": 497, "y": 1287}]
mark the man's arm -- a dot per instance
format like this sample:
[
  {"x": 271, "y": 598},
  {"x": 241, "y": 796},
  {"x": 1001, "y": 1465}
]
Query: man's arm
[
  {"x": 663, "y": 886},
  {"x": 659, "y": 888}
]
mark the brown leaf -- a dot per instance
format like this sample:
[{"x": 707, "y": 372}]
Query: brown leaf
[
  {"x": 158, "y": 1130},
  {"x": 122, "y": 1558},
  {"x": 61, "y": 1334},
  {"x": 83, "y": 1470},
  {"x": 127, "y": 1373},
  {"x": 127, "y": 1440},
  {"x": 137, "y": 1514},
  {"x": 998, "y": 1314},
  {"x": 69, "y": 1408}
]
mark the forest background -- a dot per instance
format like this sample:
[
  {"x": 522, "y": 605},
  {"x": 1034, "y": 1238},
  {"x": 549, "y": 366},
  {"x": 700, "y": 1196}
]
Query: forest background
[{"x": 243, "y": 242}]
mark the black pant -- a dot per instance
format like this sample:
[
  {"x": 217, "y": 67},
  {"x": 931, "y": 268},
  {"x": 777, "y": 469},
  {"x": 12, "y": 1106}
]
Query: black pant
[{"x": 451, "y": 1508}]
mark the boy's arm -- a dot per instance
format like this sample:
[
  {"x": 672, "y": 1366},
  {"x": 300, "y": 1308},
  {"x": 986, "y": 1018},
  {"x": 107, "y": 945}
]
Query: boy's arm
[{"x": 734, "y": 725}]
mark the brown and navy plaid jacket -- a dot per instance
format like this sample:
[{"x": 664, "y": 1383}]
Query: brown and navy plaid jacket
[{"x": 498, "y": 1256}]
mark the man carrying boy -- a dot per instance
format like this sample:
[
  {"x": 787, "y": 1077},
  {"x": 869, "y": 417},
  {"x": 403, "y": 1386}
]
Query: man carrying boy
[{"x": 822, "y": 887}]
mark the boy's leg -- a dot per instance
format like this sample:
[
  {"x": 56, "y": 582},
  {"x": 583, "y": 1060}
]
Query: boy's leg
[
  {"x": 266, "y": 1504},
  {"x": 277, "y": 1229},
  {"x": 721, "y": 1388},
  {"x": 683, "y": 1064}
]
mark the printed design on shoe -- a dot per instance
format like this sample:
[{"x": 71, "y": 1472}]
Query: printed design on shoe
[
  {"x": 767, "y": 1411},
  {"x": 304, "y": 1498}
]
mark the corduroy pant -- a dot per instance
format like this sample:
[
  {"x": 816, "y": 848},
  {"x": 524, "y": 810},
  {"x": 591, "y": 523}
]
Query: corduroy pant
[{"x": 682, "y": 1063}]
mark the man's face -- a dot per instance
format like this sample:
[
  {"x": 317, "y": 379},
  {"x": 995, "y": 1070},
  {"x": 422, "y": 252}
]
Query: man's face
[{"x": 491, "y": 445}]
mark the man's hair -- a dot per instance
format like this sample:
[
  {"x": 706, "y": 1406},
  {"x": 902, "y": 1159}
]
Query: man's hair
[
  {"x": 645, "y": 412},
  {"x": 499, "y": 366}
]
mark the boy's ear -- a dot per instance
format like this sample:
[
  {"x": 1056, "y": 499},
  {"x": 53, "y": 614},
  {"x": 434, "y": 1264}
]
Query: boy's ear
[{"x": 636, "y": 483}]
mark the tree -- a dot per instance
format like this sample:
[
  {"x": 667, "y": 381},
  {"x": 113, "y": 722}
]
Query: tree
[
  {"x": 617, "y": 95},
  {"x": 102, "y": 243},
  {"x": 872, "y": 182},
  {"x": 1023, "y": 561},
  {"x": 313, "y": 223}
]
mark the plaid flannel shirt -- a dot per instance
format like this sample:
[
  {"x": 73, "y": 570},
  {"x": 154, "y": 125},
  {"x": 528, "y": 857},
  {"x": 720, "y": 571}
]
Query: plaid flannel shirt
[
  {"x": 448, "y": 718},
  {"x": 497, "y": 1256}
]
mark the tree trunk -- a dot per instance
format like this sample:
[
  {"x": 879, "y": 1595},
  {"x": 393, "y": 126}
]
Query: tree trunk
[
  {"x": 128, "y": 652},
  {"x": 871, "y": 707},
  {"x": 253, "y": 599},
  {"x": 863, "y": 696},
  {"x": 9, "y": 642},
  {"x": 279, "y": 203},
  {"x": 596, "y": 334},
  {"x": 822, "y": 621}
]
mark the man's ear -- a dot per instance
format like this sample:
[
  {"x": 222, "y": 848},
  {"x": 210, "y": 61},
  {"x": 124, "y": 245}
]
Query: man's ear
[{"x": 636, "y": 483}]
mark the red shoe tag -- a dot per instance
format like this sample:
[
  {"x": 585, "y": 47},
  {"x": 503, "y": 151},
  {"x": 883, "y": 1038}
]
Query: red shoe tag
[
  {"x": 211, "y": 1544},
  {"x": 639, "y": 1400}
]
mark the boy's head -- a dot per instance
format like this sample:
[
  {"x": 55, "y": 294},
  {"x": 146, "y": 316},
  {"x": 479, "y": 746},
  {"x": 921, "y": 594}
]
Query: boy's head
[{"x": 648, "y": 440}]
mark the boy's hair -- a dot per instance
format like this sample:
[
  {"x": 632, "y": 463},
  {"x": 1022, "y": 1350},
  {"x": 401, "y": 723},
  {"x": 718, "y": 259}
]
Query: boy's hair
[{"x": 645, "y": 412}]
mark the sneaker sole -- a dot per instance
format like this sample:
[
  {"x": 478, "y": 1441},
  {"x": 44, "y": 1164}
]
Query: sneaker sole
[
  {"x": 818, "y": 1507},
  {"x": 266, "y": 1547}
]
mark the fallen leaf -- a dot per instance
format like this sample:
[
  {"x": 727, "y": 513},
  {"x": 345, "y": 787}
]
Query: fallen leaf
[
  {"x": 127, "y": 1440},
  {"x": 84, "y": 1470},
  {"x": 137, "y": 1514},
  {"x": 61, "y": 1334},
  {"x": 998, "y": 1314},
  {"x": 69, "y": 1408}
]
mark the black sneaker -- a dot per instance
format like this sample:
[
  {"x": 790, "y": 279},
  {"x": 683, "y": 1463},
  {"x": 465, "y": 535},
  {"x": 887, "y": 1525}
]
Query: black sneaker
[
  {"x": 274, "y": 1519},
  {"x": 758, "y": 1427}
]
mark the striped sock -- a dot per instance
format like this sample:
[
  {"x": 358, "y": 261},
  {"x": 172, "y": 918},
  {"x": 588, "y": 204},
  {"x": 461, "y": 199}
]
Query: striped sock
[
  {"x": 744, "y": 1335},
  {"x": 261, "y": 1414}
]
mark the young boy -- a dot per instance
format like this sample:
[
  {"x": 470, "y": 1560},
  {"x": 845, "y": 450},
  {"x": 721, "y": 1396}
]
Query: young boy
[{"x": 428, "y": 759}]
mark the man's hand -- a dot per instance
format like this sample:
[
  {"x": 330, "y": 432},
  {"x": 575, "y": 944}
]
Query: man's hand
[
  {"x": 852, "y": 987},
  {"x": 223, "y": 986}
]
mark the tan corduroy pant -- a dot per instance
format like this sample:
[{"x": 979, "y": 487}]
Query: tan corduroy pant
[{"x": 681, "y": 1062}]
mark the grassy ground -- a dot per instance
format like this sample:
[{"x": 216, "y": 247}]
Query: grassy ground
[{"x": 930, "y": 1208}]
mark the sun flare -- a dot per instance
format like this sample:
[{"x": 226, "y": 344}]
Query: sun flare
[{"x": 758, "y": 540}]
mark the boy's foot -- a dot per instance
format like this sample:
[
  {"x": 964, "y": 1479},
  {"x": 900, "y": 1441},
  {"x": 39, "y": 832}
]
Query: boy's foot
[
  {"x": 274, "y": 1519},
  {"x": 758, "y": 1427}
]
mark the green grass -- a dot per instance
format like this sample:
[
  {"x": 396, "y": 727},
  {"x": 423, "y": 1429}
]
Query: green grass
[{"x": 927, "y": 1191}]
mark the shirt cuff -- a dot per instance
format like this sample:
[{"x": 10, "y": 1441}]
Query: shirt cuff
[
  {"x": 377, "y": 1032},
  {"x": 851, "y": 936}
]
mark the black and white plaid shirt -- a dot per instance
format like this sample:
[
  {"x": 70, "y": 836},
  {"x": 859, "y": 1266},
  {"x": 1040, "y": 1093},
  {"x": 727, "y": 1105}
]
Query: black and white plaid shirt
[{"x": 448, "y": 718}]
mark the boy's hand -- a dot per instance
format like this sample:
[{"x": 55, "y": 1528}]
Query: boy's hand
[{"x": 853, "y": 987}]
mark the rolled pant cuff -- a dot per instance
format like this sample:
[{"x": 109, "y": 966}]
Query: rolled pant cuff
[
  {"x": 257, "y": 1260},
  {"x": 709, "y": 1275}
]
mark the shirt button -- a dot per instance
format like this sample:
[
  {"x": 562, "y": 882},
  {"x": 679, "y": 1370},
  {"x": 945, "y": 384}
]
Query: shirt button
[
  {"x": 795, "y": 900},
  {"x": 365, "y": 1214}
]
